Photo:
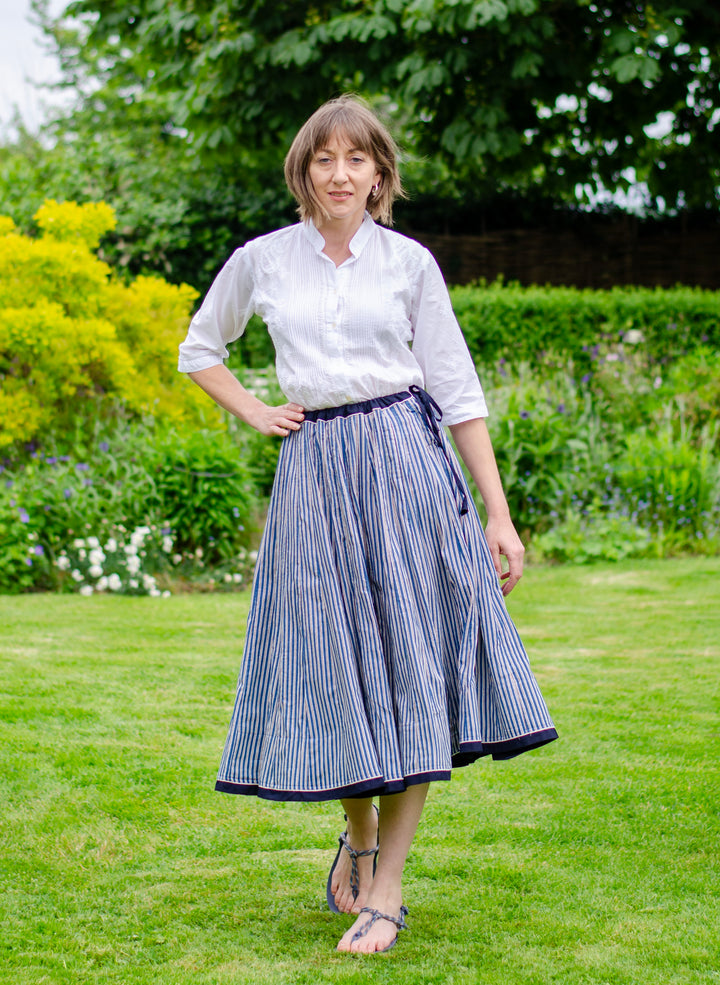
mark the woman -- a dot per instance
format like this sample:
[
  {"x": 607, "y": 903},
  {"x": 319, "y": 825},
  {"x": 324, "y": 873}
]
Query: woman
[{"x": 379, "y": 653}]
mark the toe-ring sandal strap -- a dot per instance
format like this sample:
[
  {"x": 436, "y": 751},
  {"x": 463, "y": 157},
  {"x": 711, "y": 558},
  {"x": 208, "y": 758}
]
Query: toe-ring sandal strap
[
  {"x": 355, "y": 855},
  {"x": 377, "y": 915}
]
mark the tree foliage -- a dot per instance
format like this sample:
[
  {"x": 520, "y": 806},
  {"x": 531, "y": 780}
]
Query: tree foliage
[
  {"x": 184, "y": 110},
  {"x": 512, "y": 93}
]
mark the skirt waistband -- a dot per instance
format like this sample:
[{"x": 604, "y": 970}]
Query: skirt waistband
[{"x": 362, "y": 407}]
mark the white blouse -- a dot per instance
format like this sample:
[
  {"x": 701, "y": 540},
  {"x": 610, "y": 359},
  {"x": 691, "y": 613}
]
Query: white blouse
[{"x": 379, "y": 323}]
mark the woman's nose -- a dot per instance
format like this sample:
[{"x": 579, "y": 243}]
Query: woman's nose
[{"x": 339, "y": 175}]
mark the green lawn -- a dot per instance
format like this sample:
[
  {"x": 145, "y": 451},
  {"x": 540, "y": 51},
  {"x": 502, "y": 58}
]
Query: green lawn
[{"x": 594, "y": 860}]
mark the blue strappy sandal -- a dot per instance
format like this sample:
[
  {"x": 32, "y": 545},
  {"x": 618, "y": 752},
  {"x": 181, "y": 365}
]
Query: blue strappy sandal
[
  {"x": 354, "y": 874},
  {"x": 377, "y": 915}
]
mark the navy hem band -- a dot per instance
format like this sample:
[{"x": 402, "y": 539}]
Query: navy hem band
[
  {"x": 468, "y": 753},
  {"x": 366, "y": 788}
]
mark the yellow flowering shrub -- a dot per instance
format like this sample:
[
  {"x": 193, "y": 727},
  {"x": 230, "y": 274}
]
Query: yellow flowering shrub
[
  {"x": 70, "y": 331},
  {"x": 69, "y": 222}
]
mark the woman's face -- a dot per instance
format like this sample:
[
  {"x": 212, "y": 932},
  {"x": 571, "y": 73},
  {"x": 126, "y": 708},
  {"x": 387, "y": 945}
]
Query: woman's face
[{"x": 343, "y": 176}]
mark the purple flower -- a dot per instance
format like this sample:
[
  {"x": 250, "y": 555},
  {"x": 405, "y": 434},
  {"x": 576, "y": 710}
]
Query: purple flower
[
  {"x": 561, "y": 408},
  {"x": 87, "y": 482},
  {"x": 64, "y": 458},
  {"x": 586, "y": 378},
  {"x": 104, "y": 446},
  {"x": 24, "y": 515},
  {"x": 524, "y": 415},
  {"x": 67, "y": 493},
  {"x": 51, "y": 460},
  {"x": 28, "y": 562},
  {"x": 38, "y": 550},
  {"x": 82, "y": 466}
]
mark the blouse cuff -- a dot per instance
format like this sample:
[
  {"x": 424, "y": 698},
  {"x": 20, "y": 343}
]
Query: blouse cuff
[
  {"x": 187, "y": 364},
  {"x": 466, "y": 411}
]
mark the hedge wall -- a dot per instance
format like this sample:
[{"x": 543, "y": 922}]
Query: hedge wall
[{"x": 516, "y": 323}]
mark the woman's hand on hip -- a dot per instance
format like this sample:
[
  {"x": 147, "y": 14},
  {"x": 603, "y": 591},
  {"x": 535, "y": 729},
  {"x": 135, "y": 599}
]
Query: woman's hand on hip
[{"x": 276, "y": 420}]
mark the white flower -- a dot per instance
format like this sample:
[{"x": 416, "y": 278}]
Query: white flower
[
  {"x": 166, "y": 594},
  {"x": 96, "y": 556},
  {"x": 148, "y": 582},
  {"x": 612, "y": 357},
  {"x": 86, "y": 590},
  {"x": 78, "y": 543},
  {"x": 111, "y": 545},
  {"x": 95, "y": 571},
  {"x": 77, "y": 575},
  {"x": 227, "y": 578},
  {"x": 114, "y": 582},
  {"x": 133, "y": 583},
  {"x": 138, "y": 536},
  {"x": 167, "y": 544},
  {"x": 199, "y": 553},
  {"x": 657, "y": 382},
  {"x": 82, "y": 554},
  {"x": 154, "y": 593},
  {"x": 102, "y": 584},
  {"x": 130, "y": 549},
  {"x": 237, "y": 578},
  {"x": 176, "y": 558},
  {"x": 252, "y": 556},
  {"x": 133, "y": 564},
  {"x": 93, "y": 542},
  {"x": 63, "y": 562},
  {"x": 633, "y": 337}
]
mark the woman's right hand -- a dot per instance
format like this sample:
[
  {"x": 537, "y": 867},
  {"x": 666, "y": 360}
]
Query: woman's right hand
[{"x": 276, "y": 420}]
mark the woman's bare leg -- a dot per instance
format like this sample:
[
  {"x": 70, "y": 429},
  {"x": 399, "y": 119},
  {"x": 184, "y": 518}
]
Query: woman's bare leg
[
  {"x": 399, "y": 818},
  {"x": 362, "y": 833}
]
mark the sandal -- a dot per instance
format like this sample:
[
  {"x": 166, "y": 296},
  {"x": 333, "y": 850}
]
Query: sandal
[
  {"x": 377, "y": 915},
  {"x": 354, "y": 874}
]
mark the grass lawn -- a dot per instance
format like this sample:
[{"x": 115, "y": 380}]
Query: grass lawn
[{"x": 594, "y": 860}]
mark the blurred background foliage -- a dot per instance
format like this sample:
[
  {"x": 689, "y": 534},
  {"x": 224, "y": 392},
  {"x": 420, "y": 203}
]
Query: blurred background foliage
[{"x": 505, "y": 110}]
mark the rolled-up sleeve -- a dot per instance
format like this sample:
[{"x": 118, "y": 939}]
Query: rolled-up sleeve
[
  {"x": 222, "y": 317},
  {"x": 441, "y": 351}
]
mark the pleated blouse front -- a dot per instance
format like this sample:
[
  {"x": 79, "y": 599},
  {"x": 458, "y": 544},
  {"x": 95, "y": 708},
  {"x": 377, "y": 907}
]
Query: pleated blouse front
[{"x": 377, "y": 324}]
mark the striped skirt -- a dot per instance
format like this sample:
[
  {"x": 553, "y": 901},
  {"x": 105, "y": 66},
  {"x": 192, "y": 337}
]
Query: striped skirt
[{"x": 379, "y": 652}]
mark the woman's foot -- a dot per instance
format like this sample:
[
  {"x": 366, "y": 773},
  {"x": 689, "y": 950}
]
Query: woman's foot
[
  {"x": 376, "y": 929},
  {"x": 362, "y": 835}
]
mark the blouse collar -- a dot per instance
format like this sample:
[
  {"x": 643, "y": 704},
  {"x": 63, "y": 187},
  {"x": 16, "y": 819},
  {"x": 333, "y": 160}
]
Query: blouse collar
[{"x": 357, "y": 243}]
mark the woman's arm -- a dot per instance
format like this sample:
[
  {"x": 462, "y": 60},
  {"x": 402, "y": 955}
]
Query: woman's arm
[
  {"x": 473, "y": 443},
  {"x": 225, "y": 389}
]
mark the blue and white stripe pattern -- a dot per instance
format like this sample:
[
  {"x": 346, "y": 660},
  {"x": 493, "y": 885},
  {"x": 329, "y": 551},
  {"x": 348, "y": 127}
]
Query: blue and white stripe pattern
[{"x": 379, "y": 652}]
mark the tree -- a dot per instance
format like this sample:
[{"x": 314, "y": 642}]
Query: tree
[{"x": 509, "y": 93}]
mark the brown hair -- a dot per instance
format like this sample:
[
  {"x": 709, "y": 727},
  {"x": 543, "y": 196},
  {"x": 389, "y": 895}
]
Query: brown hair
[{"x": 353, "y": 118}]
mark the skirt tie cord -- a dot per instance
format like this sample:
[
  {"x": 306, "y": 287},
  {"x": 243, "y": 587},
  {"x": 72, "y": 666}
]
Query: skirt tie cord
[{"x": 433, "y": 415}]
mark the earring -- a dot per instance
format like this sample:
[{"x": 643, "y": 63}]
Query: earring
[{"x": 374, "y": 190}]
